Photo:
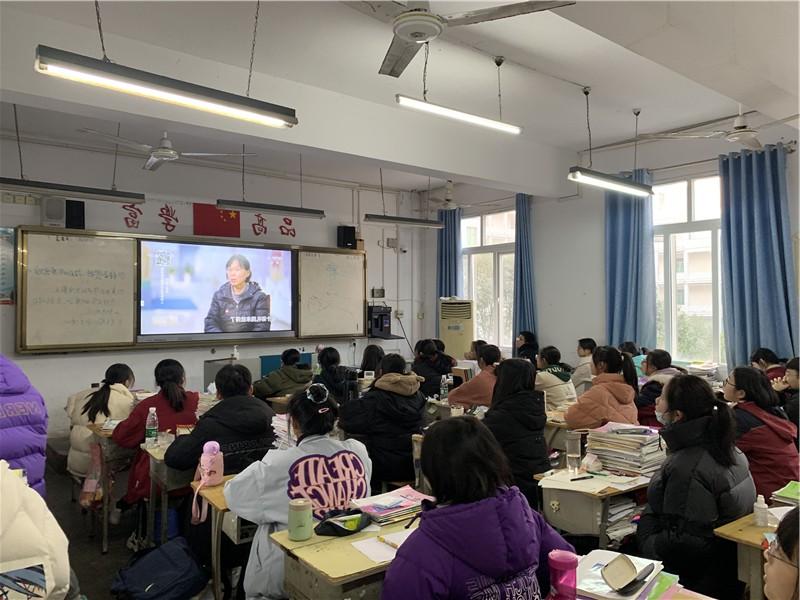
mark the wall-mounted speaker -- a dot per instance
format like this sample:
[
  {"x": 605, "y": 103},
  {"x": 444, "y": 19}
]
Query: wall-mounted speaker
[
  {"x": 57, "y": 211},
  {"x": 346, "y": 236}
]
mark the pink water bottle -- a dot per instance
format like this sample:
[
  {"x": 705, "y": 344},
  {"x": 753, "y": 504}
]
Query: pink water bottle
[{"x": 563, "y": 575}]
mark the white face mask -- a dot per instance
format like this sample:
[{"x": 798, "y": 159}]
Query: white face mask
[{"x": 664, "y": 418}]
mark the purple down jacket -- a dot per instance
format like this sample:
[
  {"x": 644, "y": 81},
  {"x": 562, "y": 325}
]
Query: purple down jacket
[
  {"x": 23, "y": 423},
  {"x": 494, "y": 549}
]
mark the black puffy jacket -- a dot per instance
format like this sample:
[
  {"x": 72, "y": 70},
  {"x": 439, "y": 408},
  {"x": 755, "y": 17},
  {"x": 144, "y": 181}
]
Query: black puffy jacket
[
  {"x": 250, "y": 313},
  {"x": 431, "y": 371},
  {"x": 384, "y": 418},
  {"x": 687, "y": 499},
  {"x": 518, "y": 421}
]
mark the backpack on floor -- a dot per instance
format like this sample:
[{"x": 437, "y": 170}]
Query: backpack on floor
[{"x": 169, "y": 572}]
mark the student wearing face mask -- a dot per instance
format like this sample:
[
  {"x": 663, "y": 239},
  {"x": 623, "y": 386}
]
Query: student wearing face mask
[{"x": 780, "y": 560}]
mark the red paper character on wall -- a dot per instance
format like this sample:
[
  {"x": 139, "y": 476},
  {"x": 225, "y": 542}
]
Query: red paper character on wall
[
  {"x": 286, "y": 228},
  {"x": 260, "y": 225},
  {"x": 134, "y": 212},
  {"x": 169, "y": 217}
]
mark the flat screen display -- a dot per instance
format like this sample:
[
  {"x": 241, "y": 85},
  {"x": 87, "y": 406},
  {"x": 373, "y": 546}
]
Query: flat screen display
[{"x": 210, "y": 289}]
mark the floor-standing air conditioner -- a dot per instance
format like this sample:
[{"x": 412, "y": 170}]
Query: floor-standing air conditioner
[{"x": 456, "y": 326}]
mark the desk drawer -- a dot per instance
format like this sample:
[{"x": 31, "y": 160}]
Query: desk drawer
[
  {"x": 572, "y": 512},
  {"x": 304, "y": 583}
]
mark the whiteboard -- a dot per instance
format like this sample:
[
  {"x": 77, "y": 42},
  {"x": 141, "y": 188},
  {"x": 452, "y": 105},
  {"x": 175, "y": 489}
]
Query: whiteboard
[
  {"x": 332, "y": 294},
  {"x": 78, "y": 291}
]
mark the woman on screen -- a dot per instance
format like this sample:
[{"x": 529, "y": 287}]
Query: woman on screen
[{"x": 240, "y": 305}]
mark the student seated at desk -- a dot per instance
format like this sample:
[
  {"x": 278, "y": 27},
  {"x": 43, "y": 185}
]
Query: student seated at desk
[
  {"x": 324, "y": 470},
  {"x": 385, "y": 417},
  {"x": 483, "y": 540},
  {"x": 554, "y": 378},
  {"x": 527, "y": 345},
  {"x": 112, "y": 400},
  {"x": 291, "y": 377},
  {"x": 430, "y": 366},
  {"x": 478, "y": 390},
  {"x": 332, "y": 375},
  {"x": 474, "y": 350},
  {"x": 582, "y": 375},
  {"x": 611, "y": 397},
  {"x": 763, "y": 431},
  {"x": 704, "y": 483},
  {"x": 657, "y": 366},
  {"x": 517, "y": 418},
  {"x": 767, "y": 361},
  {"x": 371, "y": 359},
  {"x": 780, "y": 560},
  {"x": 637, "y": 355},
  {"x": 174, "y": 406},
  {"x": 445, "y": 361},
  {"x": 787, "y": 389}
]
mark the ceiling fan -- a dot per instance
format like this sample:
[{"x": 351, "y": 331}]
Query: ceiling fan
[
  {"x": 414, "y": 24},
  {"x": 740, "y": 133},
  {"x": 160, "y": 154}
]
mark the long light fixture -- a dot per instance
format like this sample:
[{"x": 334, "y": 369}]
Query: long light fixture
[
  {"x": 609, "y": 182},
  {"x": 8, "y": 184},
  {"x": 274, "y": 209},
  {"x": 458, "y": 115},
  {"x": 402, "y": 221},
  {"x": 119, "y": 78}
]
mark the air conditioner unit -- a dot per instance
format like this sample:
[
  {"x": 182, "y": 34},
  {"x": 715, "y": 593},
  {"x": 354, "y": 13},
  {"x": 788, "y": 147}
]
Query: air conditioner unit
[{"x": 456, "y": 326}]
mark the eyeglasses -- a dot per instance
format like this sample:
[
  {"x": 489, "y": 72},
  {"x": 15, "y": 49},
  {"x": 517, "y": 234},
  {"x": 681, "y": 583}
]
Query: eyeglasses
[
  {"x": 729, "y": 382},
  {"x": 774, "y": 551}
]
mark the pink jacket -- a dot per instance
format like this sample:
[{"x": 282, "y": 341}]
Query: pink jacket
[
  {"x": 476, "y": 391},
  {"x": 609, "y": 399}
]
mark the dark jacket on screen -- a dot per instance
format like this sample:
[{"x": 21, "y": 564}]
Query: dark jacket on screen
[{"x": 250, "y": 313}]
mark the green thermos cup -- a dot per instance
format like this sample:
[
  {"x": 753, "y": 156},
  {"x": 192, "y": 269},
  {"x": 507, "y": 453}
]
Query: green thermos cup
[{"x": 301, "y": 524}]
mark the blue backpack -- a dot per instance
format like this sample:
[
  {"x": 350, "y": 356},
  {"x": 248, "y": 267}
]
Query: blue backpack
[{"x": 169, "y": 572}]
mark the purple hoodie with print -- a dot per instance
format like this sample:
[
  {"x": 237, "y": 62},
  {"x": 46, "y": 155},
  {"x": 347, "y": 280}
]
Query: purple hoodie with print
[
  {"x": 23, "y": 423},
  {"x": 493, "y": 549}
]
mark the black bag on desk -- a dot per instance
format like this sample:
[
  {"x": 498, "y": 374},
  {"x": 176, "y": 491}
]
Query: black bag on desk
[
  {"x": 331, "y": 523},
  {"x": 169, "y": 572}
]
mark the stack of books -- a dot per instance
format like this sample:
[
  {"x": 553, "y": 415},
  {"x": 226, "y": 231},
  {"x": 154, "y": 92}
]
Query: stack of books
[
  {"x": 280, "y": 425},
  {"x": 621, "y": 511},
  {"x": 708, "y": 371},
  {"x": 627, "y": 449},
  {"x": 391, "y": 507},
  {"x": 788, "y": 495}
]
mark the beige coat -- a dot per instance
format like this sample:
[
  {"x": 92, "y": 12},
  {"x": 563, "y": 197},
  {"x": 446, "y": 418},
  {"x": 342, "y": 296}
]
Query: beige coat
[
  {"x": 582, "y": 375},
  {"x": 560, "y": 394},
  {"x": 30, "y": 535},
  {"x": 120, "y": 404},
  {"x": 610, "y": 399}
]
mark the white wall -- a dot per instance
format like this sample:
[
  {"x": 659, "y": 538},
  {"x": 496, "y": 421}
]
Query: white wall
[{"x": 57, "y": 376}]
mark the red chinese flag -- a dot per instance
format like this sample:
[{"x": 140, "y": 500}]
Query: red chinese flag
[{"x": 210, "y": 220}]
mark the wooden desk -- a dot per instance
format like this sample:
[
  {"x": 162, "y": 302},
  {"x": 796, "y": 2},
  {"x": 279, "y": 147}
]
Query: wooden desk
[
  {"x": 749, "y": 554},
  {"x": 163, "y": 480},
  {"x": 555, "y": 431},
  {"x": 215, "y": 497},
  {"x": 330, "y": 568}
]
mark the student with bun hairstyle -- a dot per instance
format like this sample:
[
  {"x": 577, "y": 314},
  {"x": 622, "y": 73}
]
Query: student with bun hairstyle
[
  {"x": 554, "y": 379},
  {"x": 612, "y": 395},
  {"x": 763, "y": 431},
  {"x": 657, "y": 366},
  {"x": 582, "y": 375},
  {"x": 112, "y": 400},
  {"x": 478, "y": 390},
  {"x": 482, "y": 540},
  {"x": 174, "y": 406},
  {"x": 291, "y": 377},
  {"x": 766, "y": 360},
  {"x": 703, "y": 484},
  {"x": 328, "y": 472}
]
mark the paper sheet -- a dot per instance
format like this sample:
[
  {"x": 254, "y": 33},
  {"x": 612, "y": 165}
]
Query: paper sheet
[{"x": 378, "y": 551}]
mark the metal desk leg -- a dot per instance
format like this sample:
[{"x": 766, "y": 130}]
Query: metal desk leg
[
  {"x": 603, "y": 538},
  {"x": 751, "y": 570},
  {"x": 164, "y": 515},
  {"x": 106, "y": 479},
  {"x": 216, "y": 559},
  {"x": 151, "y": 515}
]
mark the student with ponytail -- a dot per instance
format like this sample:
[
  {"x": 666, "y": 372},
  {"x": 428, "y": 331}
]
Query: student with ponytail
[
  {"x": 112, "y": 400},
  {"x": 174, "y": 406},
  {"x": 324, "y": 470},
  {"x": 612, "y": 395},
  {"x": 704, "y": 483}
]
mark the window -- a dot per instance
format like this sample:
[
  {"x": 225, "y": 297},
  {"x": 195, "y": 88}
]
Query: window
[
  {"x": 488, "y": 262},
  {"x": 686, "y": 219}
]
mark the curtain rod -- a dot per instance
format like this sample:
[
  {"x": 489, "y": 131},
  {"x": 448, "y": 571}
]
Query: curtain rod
[{"x": 790, "y": 148}]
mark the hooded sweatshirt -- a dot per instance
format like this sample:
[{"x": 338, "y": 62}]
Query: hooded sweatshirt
[
  {"x": 646, "y": 400},
  {"x": 23, "y": 424},
  {"x": 477, "y": 391},
  {"x": 495, "y": 548},
  {"x": 285, "y": 381},
  {"x": 557, "y": 385},
  {"x": 384, "y": 418},
  {"x": 609, "y": 399},
  {"x": 768, "y": 439}
]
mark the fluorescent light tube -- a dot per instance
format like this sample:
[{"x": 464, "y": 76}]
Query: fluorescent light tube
[
  {"x": 402, "y": 221},
  {"x": 609, "y": 182},
  {"x": 274, "y": 209},
  {"x": 119, "y": 78},
  {"x": 452, "y": 113},
  {"x": 9, "y": 184}
]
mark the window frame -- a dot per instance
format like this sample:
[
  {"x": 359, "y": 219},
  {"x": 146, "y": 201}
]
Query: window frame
[{"x": 668, "y": 233}]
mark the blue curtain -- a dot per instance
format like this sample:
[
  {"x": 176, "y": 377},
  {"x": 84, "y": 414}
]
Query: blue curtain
[
  {"x": 630, "y": 268},
  {"x": 759, "y": 291},
  {"x": 448, "y": 273},
  {"x": 524, "y": 317}
]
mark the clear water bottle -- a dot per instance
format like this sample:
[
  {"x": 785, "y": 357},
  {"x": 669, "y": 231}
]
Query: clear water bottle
[
  {"x": 444, "y": 389},
  {"x": 151, "y": 428}
]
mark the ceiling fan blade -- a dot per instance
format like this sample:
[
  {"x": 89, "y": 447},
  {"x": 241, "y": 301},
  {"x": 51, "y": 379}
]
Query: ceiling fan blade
[
  {"x": 500, "y": 12},
  {"x": 398, "y": 56},
  {"x": 218, "y": 154},
  {"x": 418, "y": 5},
  {"x": 117, "y": 140},
  {"x": 750, "y": 142},
  {"x": 697, "y": 135},
  {"x": 153, "y": 163},
  {"x": 778, "y": 122}
]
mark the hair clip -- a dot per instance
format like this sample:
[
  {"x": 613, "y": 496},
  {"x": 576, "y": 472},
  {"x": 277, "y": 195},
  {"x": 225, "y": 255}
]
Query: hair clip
[
  {"x": 310, "y": 396},
  {"x": 716, "y": 407},
  {"x": 323, "y": 410}
]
